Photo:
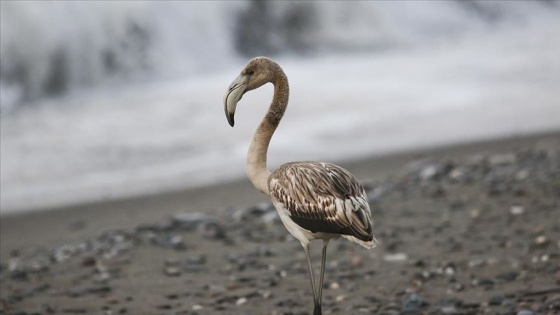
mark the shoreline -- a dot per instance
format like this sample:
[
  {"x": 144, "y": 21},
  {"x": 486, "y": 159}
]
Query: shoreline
[{"x": 131, "y": 211}]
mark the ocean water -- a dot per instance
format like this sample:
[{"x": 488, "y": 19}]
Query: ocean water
[{"x": 102, "y": 100}]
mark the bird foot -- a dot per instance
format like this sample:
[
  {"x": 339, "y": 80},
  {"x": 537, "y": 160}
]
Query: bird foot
[{"x": 317, "y": 309}]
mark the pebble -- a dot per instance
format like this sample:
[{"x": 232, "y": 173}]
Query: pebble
[
  {"x": 95, "y": 258},
  {"x": 189, "y": 221},
  {"x": 171, "y": 262},
  {"x": 241, "y": 301},
  {"x": 267, "y": 294},
  {"x": 474, "y": 213},
  {"x": 508, "y": 276},
  {"x": 476, "y": 263},
  {"x": 172, "y": 271},
  {"x": 259, "y": 210},
  {"x": 482, "y": 282},
  {"x": 356, "y": 261},
  {"x": 502, "y": 159},
  {"x": 516, "y": 210},
  {"x": 196, "y": 260},
  {"x": 496, "y": 300},
  {"x": 334, "y": 286},
  {"x": 412, "y": 304},
  {"x": 541, "y": 241},
  {"x": 395, "y": 257},
  {"x": 449, "y": 269},
  {"x": 429, "y": 172}
]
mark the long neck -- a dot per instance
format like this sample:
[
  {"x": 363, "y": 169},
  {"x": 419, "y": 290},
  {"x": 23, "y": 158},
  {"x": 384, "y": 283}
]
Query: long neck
[{"x": 257, "y": 170}]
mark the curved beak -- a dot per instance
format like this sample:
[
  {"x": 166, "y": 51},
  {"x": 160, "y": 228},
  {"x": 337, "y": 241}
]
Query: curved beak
[{"x": 234, "y": 93}]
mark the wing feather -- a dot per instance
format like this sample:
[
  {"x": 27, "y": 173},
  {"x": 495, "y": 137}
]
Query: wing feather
[{"x": 323, "y": 197}]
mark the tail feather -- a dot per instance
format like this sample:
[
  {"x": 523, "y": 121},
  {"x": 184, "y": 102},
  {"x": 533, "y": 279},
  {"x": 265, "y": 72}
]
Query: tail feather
[{"x": 367, "y": 244}]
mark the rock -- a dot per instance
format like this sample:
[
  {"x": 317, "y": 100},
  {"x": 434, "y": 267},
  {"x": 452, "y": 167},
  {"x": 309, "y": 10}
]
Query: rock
[
  {"x": 356, "y": 261},
  {"x": 100, "y": 289},
  {"x": 189, "y": 221},
  {"x": 476, "y": 263},
  {"x": 474, "y": 213},
  {"x": 340, "y": 298},
  {"x": 508, "y": 276},
  {"x": 526, "y": 312},
  {"x": 541, "y": 241},
  {"x": 482, "y": 282},
  {"x": 395, "y": 257},
  {"x": 449, "y": 310},
  {"x": 62, "y": 253},
  {"x": 496, "y": 300},
  {"x": 449, "y": 269},
  {"x": 172, "y": 271},
  {"x": 435, "y": 170},
  {"x": 412, "y": 304},
  {"x": 267, "y": 294},
  {"x": 428, "y": 172},
  {"x": 164, "y": 307},
  {"x": 256, "y": 211},
  {"x": 458, "y": 287},
  {"x": 171, "y": 262},
  {"x": 435, "y": 191},
  {"x": 196, "y": 260},
  {"x": 501, "y": 159},
  {"x": 172, "y": 241},
  {"x": 554, "y": 304},
  {"x": 172, "y": 296},
  {"x": 516, "y": 210}
]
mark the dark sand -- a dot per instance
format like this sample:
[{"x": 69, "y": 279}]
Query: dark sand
[{"x": 468, "y": 229}]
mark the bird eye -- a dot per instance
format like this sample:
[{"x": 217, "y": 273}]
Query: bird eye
[{"x": 251, "y": 72}]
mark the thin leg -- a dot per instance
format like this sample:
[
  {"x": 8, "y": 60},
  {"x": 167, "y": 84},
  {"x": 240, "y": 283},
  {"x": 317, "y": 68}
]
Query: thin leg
[
  {"x": 306, "y": 249},
  {"x": 323, "y": 260}
]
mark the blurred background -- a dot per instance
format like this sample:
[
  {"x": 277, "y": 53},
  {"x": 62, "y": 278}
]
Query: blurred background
[{"x": 105, "y": 99}]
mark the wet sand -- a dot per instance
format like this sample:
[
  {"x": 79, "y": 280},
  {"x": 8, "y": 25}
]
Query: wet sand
[{"x": 466, "y": 229}]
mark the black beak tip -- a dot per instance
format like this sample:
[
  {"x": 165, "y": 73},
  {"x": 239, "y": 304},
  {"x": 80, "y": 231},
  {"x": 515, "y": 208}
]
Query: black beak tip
[{"x": 230, "y": 120}]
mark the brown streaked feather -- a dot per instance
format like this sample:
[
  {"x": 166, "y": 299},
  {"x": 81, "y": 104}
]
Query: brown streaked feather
[{"x": 323, "y": 197}]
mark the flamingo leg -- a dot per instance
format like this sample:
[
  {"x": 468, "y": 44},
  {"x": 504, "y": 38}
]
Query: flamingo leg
[
  {"x": 316, "y": 303},
  {"x": 323, "y": 260}
]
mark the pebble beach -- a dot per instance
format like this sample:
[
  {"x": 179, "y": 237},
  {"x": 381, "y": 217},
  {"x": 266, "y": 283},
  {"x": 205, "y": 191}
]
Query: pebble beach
[{"x": 464, "y": 229}]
